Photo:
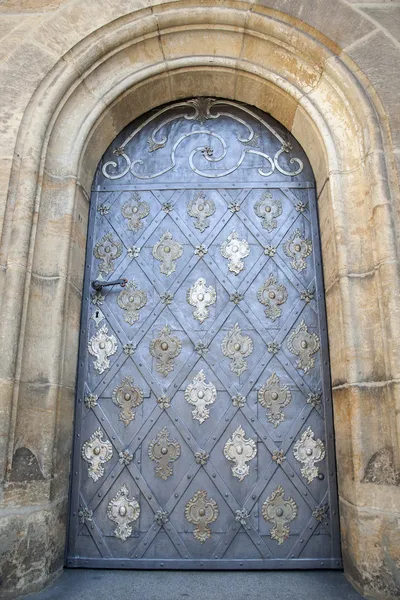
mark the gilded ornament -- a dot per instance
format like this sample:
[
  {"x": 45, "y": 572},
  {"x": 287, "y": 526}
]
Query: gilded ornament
[
  {"x": 278, "y": 456},
  {"x": 127, "y": 396},
  {"x": 201, "y": 297},
  {"x": 161, "y": 517},
  {"x": 123, "y": 511},
  {"x": 273, "y": 347},
  {"x": 280, "y": 511},
  {"x": 107, "y": 250},
  {"x": 167, "y": 251},
  {"x": 307, "y": 295},
  {"x": 129, "y": 348},
  {"x": 320, "y": 512},
  {"x": 242, "y": 516},
  {"x": 301, "y": 206},
  {"x": 166, "y": 298},
  {"x": 96, "y": 452},
  {"x": 125, "y": 457},
  {"x": 200, "y": 395},
  {"x": 308, "y": 451},
  {"x": 98, "y": 298},
  {"x": 201, "y": 348},
  {"x": 270, "y": 250},
  {"x": 101, "y": 345},
  {"x": 303, "y": 344},
  {"x": 235, "y": 250},
  {"x": 200, "y": 208},
  {"x": 234, "y": 207},
  {"x": 268, "y": 209},
  {"x": 131, "y": 300},
  {"x": 272, "y": 295},
  {"x": 164, "y": 402},
  {"x": 236, "y": 298},
  {"x": 201, "y": 511},
  {"x": 103, "y": 209},
  {"x": 90, "y": 400},
  {"x": 237, "y": 347},
  {"x": 164, "y": 452},
  {"x": 85, "y": 514},
  {"x": 314, "y": 398},
  {"x": 134, "y": 211},
  {"x": 167, "y": 207},
  {"x": 164, "y": 349},
  {"x": 133, "y": 252},
  {"x": 240, "y": 450},
  {"x": 201, "y": 457},
  {"x": 274, "y": 397},
  {"x": 201, "y": 250},
  {"x": 238, "y": 401},
  {"x": 298, "y": 248}
]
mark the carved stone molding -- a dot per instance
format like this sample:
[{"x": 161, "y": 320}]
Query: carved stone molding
[
  {"x": 127, "y": 396},
  {"x": 201, "y": 511},
  {"x": 308, "y": 451},
  {"x": 164, "y": 349},
  {"x": 123, "y": 511},
  {"x": 201, "y": 297},
  {"x": 298, "y": 248},
  {"x": 200, "y": 395},
  {"x": 235, "y": 250},
  {"x": 135, "y": 210},
  {"x": 101, "y": 345},
  {"x": 131, "y": 300},
  {"x": 96, "y": 452},
  {"x": 167, "y": 251},
  {"x": 304, "y": 344},
  {"x": 237, "y": 347},
  {"x": 280, "y": 511},
  {"x": 200, "y": 208},
  {"x": 240, "y": 450},
  {"x": 268, "y": 209},
  {"x": 106, "y": 251},
  {"x": 272, "y": 295},
  {"x": 164, "y": 451},
  {"x": 274, "y": 397}
]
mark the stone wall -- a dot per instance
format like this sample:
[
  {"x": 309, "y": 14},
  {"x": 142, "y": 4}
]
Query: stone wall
[{"x": 73, "y": 74}]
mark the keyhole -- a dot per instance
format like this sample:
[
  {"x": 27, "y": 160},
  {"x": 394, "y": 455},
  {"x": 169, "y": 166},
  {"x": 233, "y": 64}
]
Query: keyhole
[{"x": 97, "y": 314}]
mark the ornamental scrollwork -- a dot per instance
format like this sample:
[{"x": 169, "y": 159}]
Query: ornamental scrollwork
[
  {"x": 131, "y": 300},
  {"x": 280, "y": 511},
  {"x": 123, "y": 511},
  {"x": 237, "y": 347},
  {"x": 164, "y": 451},
  {"x": 167, "y": 251},
  {"x": 274, "y": 397},
  {"x": 240, "y": 450},
  {"x": 101, "y": 345},
  {"x": 200, "y": 395},
  {"x": 309, "y": 451},
  {"x": 268, "y": 209},
  {"x": 164, "y": 349},
  {"x": 96, "y": 451},
  {"x": 201, "y": 511},
  {"x": 272, "y": 295},
  {"x": 107, "y": 250},
  {"x": 201, "y": 208},
  {"x": 201, "y": 297},
  {"x": 134, "y": 211},
  {"x": 303, "y": 344},
  {"x": 127, "y": 396},
  {"x": 298, "y": 248},
  {"x": 235, "y": 250}
]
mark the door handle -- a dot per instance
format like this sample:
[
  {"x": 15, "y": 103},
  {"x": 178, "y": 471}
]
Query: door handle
[{"x": 98, "y": 285}]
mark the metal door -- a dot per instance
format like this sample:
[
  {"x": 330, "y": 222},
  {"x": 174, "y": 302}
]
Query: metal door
[{"x": 204, "y": 434}]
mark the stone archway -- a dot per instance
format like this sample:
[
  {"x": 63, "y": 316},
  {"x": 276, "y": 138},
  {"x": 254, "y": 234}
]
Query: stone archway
[{"x": 136, "y": 64}]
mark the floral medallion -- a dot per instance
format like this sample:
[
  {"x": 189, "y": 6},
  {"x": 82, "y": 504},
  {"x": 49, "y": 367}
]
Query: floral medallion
[
  {"x": 167, "y": 251},
  {"x": 268, "y": 209},
  {"x": 101, "y": 345},
  {"x": 240, "y": 450},
  {"x": 164, "y": 349},
  {"x": 163, "y": 450},
  {"x": 308, "y": 451},
  {"x": 272, "y": 295},
  {"x": 135, "y": 210},
  {"x": 131, "y": 300},
  {"x": 280, "y": 511},
  {"x": 298, "y": 249},
  {"x": 201, "y": 297},
  {"x": 96, "y": 452},
  {"x": 303, "y": 344},
  {"x": 200, "y": 395},
  {"x": 127, "y": 397},
  {"x": 235, "y": 250},
  {"x": 274, "y": 397},
  {"x": 123, "y": 511},
  {"x": 200, "y": 208},
  {"x": 201, "y": 511},
  {"x": 237, "y": 347},
  {"x": 106, "y": 251}
]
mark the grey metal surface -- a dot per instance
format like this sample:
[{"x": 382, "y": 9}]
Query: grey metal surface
[{"x": 226, "y": 307}]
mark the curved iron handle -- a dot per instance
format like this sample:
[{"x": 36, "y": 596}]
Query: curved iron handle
[{"x": 98, "y": 285}]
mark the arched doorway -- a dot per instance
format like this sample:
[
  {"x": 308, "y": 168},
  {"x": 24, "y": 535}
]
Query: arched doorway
[{"x": 204, "y": 434}]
